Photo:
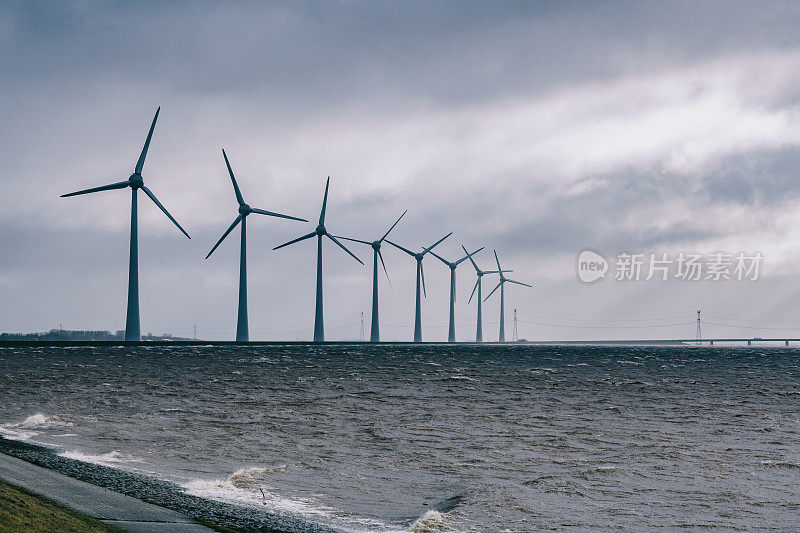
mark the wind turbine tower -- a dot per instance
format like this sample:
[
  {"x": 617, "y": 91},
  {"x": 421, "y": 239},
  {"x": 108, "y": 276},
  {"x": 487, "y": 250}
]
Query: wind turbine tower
[
  {"x": 319, "y": 233},
  {"x": 480, "y": 273},
  {"x": 419, "y": 256},
  {"x": 501, "y": 286},
  {"x": 242, "y": 330},
  {"x": 375, "y": 330},
  {"x": 451, "y": 332},
  {"x": 135, "y": 182}
]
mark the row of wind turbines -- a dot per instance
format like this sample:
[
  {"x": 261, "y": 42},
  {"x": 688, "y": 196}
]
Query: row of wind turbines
[{"x": 132, "y": 327}]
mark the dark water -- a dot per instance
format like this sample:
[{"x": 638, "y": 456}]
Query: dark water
[{"x": 435, "y": 438}]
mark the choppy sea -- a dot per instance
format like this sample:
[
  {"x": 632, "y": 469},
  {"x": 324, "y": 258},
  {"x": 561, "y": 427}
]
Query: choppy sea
[{"x": 433, "y": 438}]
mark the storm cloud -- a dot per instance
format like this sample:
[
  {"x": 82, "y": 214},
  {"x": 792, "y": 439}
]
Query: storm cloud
[{"x": 537, "y": 129}]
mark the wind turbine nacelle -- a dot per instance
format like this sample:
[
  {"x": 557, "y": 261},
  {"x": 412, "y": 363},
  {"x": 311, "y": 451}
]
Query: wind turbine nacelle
[
  {"x": 320, "y": 230},
  {"x": 245, "y": 209},
  {"x": 136, "y": 181},
  {"x": 376, "y": 245}
]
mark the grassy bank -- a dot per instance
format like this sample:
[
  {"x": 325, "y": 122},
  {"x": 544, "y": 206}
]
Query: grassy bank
[{"x": 22, "y": 512}]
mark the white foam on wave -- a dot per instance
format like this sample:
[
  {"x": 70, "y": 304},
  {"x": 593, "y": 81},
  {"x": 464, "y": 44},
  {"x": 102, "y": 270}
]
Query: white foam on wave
[
  {"x": 112, "y": 458},
  {"x": 32, "y": 426},
  {"x": 242, "y": 488},
  {"x": 783, "y": 463},
  {"x": 431, "y": 522}
]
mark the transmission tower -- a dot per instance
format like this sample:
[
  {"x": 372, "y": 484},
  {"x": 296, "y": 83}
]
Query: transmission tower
[
  {"x": 515, "y": 334},
  {"x": 362, "y": 337},
  {"x": 699, "y": 337}
]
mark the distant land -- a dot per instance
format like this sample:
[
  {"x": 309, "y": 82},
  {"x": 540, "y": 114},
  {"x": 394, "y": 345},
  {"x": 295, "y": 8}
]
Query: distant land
[{"x": 83, "y": 335}]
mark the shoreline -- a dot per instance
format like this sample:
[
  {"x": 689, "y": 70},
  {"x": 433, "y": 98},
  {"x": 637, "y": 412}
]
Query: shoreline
[{"x": 164, "y": 494}]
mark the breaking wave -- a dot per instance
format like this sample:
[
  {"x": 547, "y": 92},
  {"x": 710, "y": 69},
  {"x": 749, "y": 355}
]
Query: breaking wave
[
  {"x": 32, "y": 426},
  {"x": 247, "y": 486},
  {"x": 112, "y": 458}
]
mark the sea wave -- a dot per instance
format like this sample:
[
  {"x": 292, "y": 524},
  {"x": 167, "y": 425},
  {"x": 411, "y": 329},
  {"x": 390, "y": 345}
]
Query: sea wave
[
  {"x": 32, "y": 426},
  {"x": 781, "y": 463},
  {"x": 431, "y": 522},
  {"x": 244, "y": 487},
  {"x": 112, "y": 458},
  {"x": 248, "y": 486}
]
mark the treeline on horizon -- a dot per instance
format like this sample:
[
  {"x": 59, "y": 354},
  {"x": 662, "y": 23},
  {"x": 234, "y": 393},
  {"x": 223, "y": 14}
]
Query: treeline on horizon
[{"x": 80, "y": 335}]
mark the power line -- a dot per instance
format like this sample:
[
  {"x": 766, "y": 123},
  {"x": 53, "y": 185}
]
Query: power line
[
  {"x": 580, "y": 326},
  {"x": 752, "y": 327}
]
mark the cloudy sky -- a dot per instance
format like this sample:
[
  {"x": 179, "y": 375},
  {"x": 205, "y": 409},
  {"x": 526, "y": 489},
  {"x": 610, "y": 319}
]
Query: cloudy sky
[{"x": 537, "y": 129}]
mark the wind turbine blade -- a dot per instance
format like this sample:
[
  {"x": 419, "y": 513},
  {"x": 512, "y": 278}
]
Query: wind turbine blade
[
  {"x": 440, "y": 258},
  {"x": 164, "y": 209},
  {"x": 140, "y": 163},
  {"x": 393, "y": 225},
  {"x": 270, "y": 213},
  {"x": 324, "y": 203},
  {"x": 304, "y": 237},
  {"x": 499, "y": 269},
  {"x": 233, "y": 179},
  {"x": 352, "y": 239},
  {"x": 230, "y": 229},
  {"x": 406, "y": 250},
  {"x": 118, "y": 185},
  {"x": 473, "y": 290},
  {"x": 434, "y": 245},
  {"x": 495, "y": 271},
  {"x": 518, "y": 282},
  {"x": 468, "y": 256},
  {"x": 498, "y": 286},
  {"x": 342, "y": 246},
  {"x": 422, "y": 272},
  {"x": 380, "y": 255}
]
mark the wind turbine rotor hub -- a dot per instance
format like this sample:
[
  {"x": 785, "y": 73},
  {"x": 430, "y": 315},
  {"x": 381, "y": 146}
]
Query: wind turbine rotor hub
[
  {"x": 136, "y": 181},
  {"x": 245, "y": 209},
  {"x": 376, "y": 245},
  {"x": 321, "y": 230},
  {"x": 452, "y": 266},
  {"x": 418, "y": 257}
]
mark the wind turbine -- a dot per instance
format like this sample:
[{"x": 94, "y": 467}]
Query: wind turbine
[
  {"x": 135, "y": 182},
  {"x": 503, "y": 281},
  {"x": 242, "y": 334},
  {"x": 480, "y": 273},
  {"x": 375, "y": 334},
  {"x": 420, "y": 275},
  {"x": 319, "y": 327},
  {"x": 451, "y": 332}
]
